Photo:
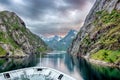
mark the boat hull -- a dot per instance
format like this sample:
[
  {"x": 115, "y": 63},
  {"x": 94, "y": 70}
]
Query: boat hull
[{"x": 35, "y": 73}]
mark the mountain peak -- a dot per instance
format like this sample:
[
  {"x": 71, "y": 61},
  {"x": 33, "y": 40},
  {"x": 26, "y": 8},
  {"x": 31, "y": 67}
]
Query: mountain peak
[
  {"x": 57, "y": 38},
  {"x": 72, "y": 31},
  {"x": 13, "y": 18}
]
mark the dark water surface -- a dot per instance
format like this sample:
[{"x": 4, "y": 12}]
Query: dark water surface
[{"x": 73, "y": 66}]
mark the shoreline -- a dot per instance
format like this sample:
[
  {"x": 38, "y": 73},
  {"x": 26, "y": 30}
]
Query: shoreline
[
  {"x": 102, "y": 63},
  {"x": 13, "y": 56},
  {"x": 99, "y": 62},
  {"x": 22, "y": 56}
]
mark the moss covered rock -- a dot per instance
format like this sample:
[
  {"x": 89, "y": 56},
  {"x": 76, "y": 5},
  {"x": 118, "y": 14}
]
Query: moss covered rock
[{"x": 15, "y": 38}]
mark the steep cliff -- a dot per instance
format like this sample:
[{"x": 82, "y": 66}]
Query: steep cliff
[
  {"x": 99, "y": 38},
  {"x": 15, "y": 39}
]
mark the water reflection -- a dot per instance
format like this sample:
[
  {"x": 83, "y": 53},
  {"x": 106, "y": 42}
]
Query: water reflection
[
  {"x": 79, "y": 68},
  {"x": 17, "y": 63},
  {"x": 62, "y": 62},
  {"x": 95, "y": 72},
  {"x": 69, "y": 62},
  {"x": 73, "y": 66}
]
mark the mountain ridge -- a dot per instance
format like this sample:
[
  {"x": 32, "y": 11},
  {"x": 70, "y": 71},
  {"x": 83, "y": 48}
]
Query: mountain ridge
[
  {"x": 99, "y": 36},
  {"x": 59, "y": 43},
  {"x": 15, "y": 39}
]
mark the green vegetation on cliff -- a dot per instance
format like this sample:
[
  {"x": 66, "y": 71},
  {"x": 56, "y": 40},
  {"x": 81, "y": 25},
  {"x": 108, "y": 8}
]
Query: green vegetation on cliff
[
  {"x": 103, "y": 42},
  {"x": 107, "y": 55},
  {"x": 106, "y": 17},
  {"x": 2, "y": 51},
  {"x": 16, "y": 39},
  {"x": 108, "y": 33},
  {"x": 99, "y": 38}
]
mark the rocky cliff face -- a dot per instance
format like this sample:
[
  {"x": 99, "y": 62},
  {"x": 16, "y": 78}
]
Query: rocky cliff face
[
  {"x": 15, "y": 38},
  {"x": 100, "y": 34}
]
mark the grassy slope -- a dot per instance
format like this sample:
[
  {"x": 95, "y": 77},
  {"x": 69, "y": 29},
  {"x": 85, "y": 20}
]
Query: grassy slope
[
  {"x": 107, "y": 55},
  {"x": 110, "y": 39}
]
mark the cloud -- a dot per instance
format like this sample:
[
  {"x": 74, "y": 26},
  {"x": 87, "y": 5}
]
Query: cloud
[{"x": 50, "y": 16}]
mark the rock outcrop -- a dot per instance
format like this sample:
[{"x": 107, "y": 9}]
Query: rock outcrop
[
  {"x": 100, "y": 33},
  {"x": 15, "y": 39}
]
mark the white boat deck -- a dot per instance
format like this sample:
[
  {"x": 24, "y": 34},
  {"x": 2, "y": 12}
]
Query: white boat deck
[{"x": 35, "y": 73}]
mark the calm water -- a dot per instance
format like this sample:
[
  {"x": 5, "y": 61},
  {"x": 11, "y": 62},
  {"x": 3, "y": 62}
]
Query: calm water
[{"x": 73, "y": 66}]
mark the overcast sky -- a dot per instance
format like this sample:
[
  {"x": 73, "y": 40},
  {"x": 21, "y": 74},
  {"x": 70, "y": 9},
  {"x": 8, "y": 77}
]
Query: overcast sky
[{"x": 50, "y": 17}]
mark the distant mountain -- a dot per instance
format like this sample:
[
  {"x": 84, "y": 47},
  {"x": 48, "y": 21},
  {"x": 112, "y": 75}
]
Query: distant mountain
[
  {"x": 51, "y": 41},
  {"x": 55, "y": 38},
  {"x": 59, "y": 43},
  {"x": 71, "y": 34},
  {"x": 64, "y": 43}
]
